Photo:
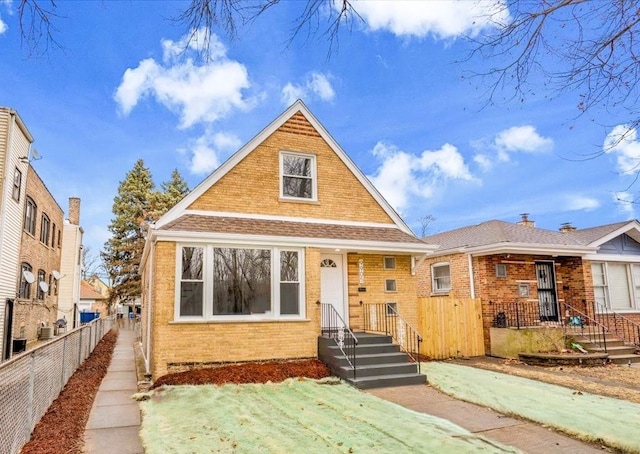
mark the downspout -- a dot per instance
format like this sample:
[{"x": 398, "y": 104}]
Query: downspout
[
  {"x": 147, "y": 359},
  {"x": 471, "y": 281}
]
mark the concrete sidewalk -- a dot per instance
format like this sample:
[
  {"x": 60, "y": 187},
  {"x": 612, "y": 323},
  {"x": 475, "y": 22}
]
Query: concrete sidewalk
[
  {"x": 114, "y": 421},
  {"x": 526, "y": 436}
]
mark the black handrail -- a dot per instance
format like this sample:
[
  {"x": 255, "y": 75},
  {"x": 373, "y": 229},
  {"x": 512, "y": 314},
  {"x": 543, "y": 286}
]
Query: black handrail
[
  {"x": 332, "y": 326},
  {"x": 516, "y": 314},
  {"x": 383, "y": 318},
  {"x": 618, "y": 324},
  {"x": 577, "y": 321}
]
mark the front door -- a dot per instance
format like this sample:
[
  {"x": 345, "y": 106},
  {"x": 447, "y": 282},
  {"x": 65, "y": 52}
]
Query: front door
[
  {"x": 332, "y": 286},
  {"x": 547, "y": 291}
]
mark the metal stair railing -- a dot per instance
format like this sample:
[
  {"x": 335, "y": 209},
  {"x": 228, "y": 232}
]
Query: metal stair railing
[
  {"x": 618, "y": 324},
  {"x": 589, "y": 327},
  {"x": 383, "y": 318},
  {"x": 334, "y": 327}
]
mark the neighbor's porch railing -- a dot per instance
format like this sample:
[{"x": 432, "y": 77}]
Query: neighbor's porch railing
[
  {"x": 621, "y": 326},
  {"x": 383, "y": 318},
  {"x": 526, "y": 314},
  {"x": 334, "y": 327}
]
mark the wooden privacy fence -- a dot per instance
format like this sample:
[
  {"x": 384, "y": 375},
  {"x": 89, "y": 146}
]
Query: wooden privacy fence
[{"x": 451, "y": 327}]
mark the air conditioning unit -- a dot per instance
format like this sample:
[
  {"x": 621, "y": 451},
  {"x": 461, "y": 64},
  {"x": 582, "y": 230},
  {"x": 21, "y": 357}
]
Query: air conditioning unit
[{"x": 46, "y": 332}]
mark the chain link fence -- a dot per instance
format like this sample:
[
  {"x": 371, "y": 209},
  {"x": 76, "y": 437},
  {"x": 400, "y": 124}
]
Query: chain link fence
[{"x": 30, "y": 382}]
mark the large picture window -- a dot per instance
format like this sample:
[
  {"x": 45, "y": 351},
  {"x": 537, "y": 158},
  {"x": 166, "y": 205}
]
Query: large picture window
[
  {"x": 616, "y": 285},
  {"x": 220, "y": 283},
  {"x": 241, "y": 281},
  {"x": 298, "y": 176}
]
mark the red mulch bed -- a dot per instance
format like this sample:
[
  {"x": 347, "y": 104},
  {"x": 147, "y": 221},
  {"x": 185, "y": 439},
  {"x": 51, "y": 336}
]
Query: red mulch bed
[
  {"x": 61, "y": 429},
  {"x": 247, "y": 373}
]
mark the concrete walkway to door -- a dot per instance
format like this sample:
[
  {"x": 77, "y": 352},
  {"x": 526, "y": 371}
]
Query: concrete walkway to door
[
  {"x": 114, "y": 421},
  {"x": 529, "y": 437}
]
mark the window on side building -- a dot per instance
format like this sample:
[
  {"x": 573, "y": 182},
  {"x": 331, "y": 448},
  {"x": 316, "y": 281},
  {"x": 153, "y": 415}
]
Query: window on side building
[{"x": 441, "y": 277}]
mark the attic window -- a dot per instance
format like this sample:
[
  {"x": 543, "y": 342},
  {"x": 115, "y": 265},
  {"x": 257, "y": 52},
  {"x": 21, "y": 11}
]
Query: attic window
[{"x": 298, "y": 176}]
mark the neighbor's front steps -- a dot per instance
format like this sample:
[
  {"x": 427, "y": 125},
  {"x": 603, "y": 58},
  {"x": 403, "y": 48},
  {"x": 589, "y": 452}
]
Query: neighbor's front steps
[
  {"x": 618, "y": 351},
  {"x": 379, "y": 362}
]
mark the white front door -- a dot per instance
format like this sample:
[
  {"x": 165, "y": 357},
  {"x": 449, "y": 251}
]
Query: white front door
[{"x": 332, "y": 285}]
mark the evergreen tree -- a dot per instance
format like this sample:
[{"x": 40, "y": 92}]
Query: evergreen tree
[
  {"x": 172, "y": 192},
  {"x": 123, "y": 251}
]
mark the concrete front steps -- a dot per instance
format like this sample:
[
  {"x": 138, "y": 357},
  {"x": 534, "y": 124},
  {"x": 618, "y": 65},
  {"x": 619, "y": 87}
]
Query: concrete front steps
[
  {"x": 379, "y": 362},
  {"x": 618, "y": 351}
]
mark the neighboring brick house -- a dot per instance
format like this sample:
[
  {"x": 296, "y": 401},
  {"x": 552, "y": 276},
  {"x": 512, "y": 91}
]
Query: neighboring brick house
[
  {"x": 40, "y": 251},
  {"x": 235, "y": 271},
  {"x": 542, "y": 270},
  {"x": 15, "y": 147}
]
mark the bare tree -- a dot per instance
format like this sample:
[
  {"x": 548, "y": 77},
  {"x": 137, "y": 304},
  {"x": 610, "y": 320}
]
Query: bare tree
[
  {"x": 586, "y": 47},
  {"x": 91, "y": 263},
  {"x": 207, "y": 16},
  {"x": 425, "y": 221}
]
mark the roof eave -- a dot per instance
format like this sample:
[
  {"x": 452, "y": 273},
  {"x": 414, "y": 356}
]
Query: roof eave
[
  {"x": 522, "y": 248},
  {"x": 326, "y": 243}
]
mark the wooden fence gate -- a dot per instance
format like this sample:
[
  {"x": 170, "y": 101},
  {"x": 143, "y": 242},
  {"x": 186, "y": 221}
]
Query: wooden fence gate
[{"x": 451, "y": 327}]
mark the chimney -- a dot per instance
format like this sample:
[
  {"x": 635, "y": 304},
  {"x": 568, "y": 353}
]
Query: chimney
[
  {"x": 74, "y": 210},
  {"x": 526, "y": 221},
  {"x": 566, "y": 227}
]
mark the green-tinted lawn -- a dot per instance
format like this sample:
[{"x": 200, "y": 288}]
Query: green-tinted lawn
[
  {"x": 297, "y": 416},
  {"x": 590, "y": 417}
]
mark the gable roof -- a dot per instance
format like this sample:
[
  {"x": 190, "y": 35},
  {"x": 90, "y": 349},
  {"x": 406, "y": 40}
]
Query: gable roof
[
  {"x": 497, "y": 237},
  {"x": 297, "y": 107},
  {"x": 87, "y": 292},
  {"x": 596, "y": 236}
]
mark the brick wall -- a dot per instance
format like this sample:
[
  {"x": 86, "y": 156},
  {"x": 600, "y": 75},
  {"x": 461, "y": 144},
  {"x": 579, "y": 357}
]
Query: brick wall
[
  {"x": 252, "y": 186},
  {"x": 375, "y": 276},
  {"x": 574, "y": 284},
  {"x": 28, "y": 314}
]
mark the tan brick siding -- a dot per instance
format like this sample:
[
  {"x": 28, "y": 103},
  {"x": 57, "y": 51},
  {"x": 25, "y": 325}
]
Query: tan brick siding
[
  {"x": 253, "y": 185},
  {"x": 180, "y": 345},
  {"x": 374, "y": 282}
]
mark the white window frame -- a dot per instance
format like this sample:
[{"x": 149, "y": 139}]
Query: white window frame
[
  {"x": 313, "y": 177},
  {"x": 632, "y": 286},
  {"x": 501, "y": 270},
  {"x": 434, "y": 281},
  {"x": 208, "y": 292},
  {"x": 391, "y": 259},
  {"x": 17, "y": 185},
  {"x": 394, "y": 285}
]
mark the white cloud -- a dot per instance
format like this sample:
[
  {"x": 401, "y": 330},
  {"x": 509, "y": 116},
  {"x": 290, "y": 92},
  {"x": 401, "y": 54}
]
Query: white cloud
[
  {"x": 316, "y": 85},
  {"x": 440, "y": 18},
  {"x": 402, "y": 175},
  {"x": 517, "y": 139},
  {"x": 626, "y": 204},
  {"x": 197, "y": 93},
  {"x": 576, "y": 202},
  {"x": 206, "y": 152},
  {"x": 3, "y": 25},
  {"x": 623, "y": 142}
]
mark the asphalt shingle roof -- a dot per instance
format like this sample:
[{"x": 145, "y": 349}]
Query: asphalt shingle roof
[{"x": 247, "y": 226}]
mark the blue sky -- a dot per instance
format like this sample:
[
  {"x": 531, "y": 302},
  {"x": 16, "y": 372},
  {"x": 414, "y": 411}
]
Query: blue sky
[{"x": 393, "y": 94}]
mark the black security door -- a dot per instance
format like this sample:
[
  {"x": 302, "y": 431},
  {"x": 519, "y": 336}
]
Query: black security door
[{"x": 547, "y": 291}]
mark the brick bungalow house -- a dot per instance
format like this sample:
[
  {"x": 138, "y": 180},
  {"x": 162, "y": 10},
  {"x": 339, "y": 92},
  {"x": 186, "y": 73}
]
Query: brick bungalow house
[
  {"x": 236, "y": 270},
  {"x": 593, "y": 271}
]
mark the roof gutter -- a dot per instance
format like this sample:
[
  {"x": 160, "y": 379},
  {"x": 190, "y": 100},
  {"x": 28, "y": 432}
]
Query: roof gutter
[{"x": 523, "y": 248}]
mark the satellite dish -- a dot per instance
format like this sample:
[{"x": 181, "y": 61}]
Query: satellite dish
[
  {"x": 43, "y": 286},
  {"x": 35, "y": 154},
  {"x": 56, "y": 275},
  {"x": 28, "y": 276}
]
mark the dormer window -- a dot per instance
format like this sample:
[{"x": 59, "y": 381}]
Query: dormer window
[{"x": 298, "y": 176}]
